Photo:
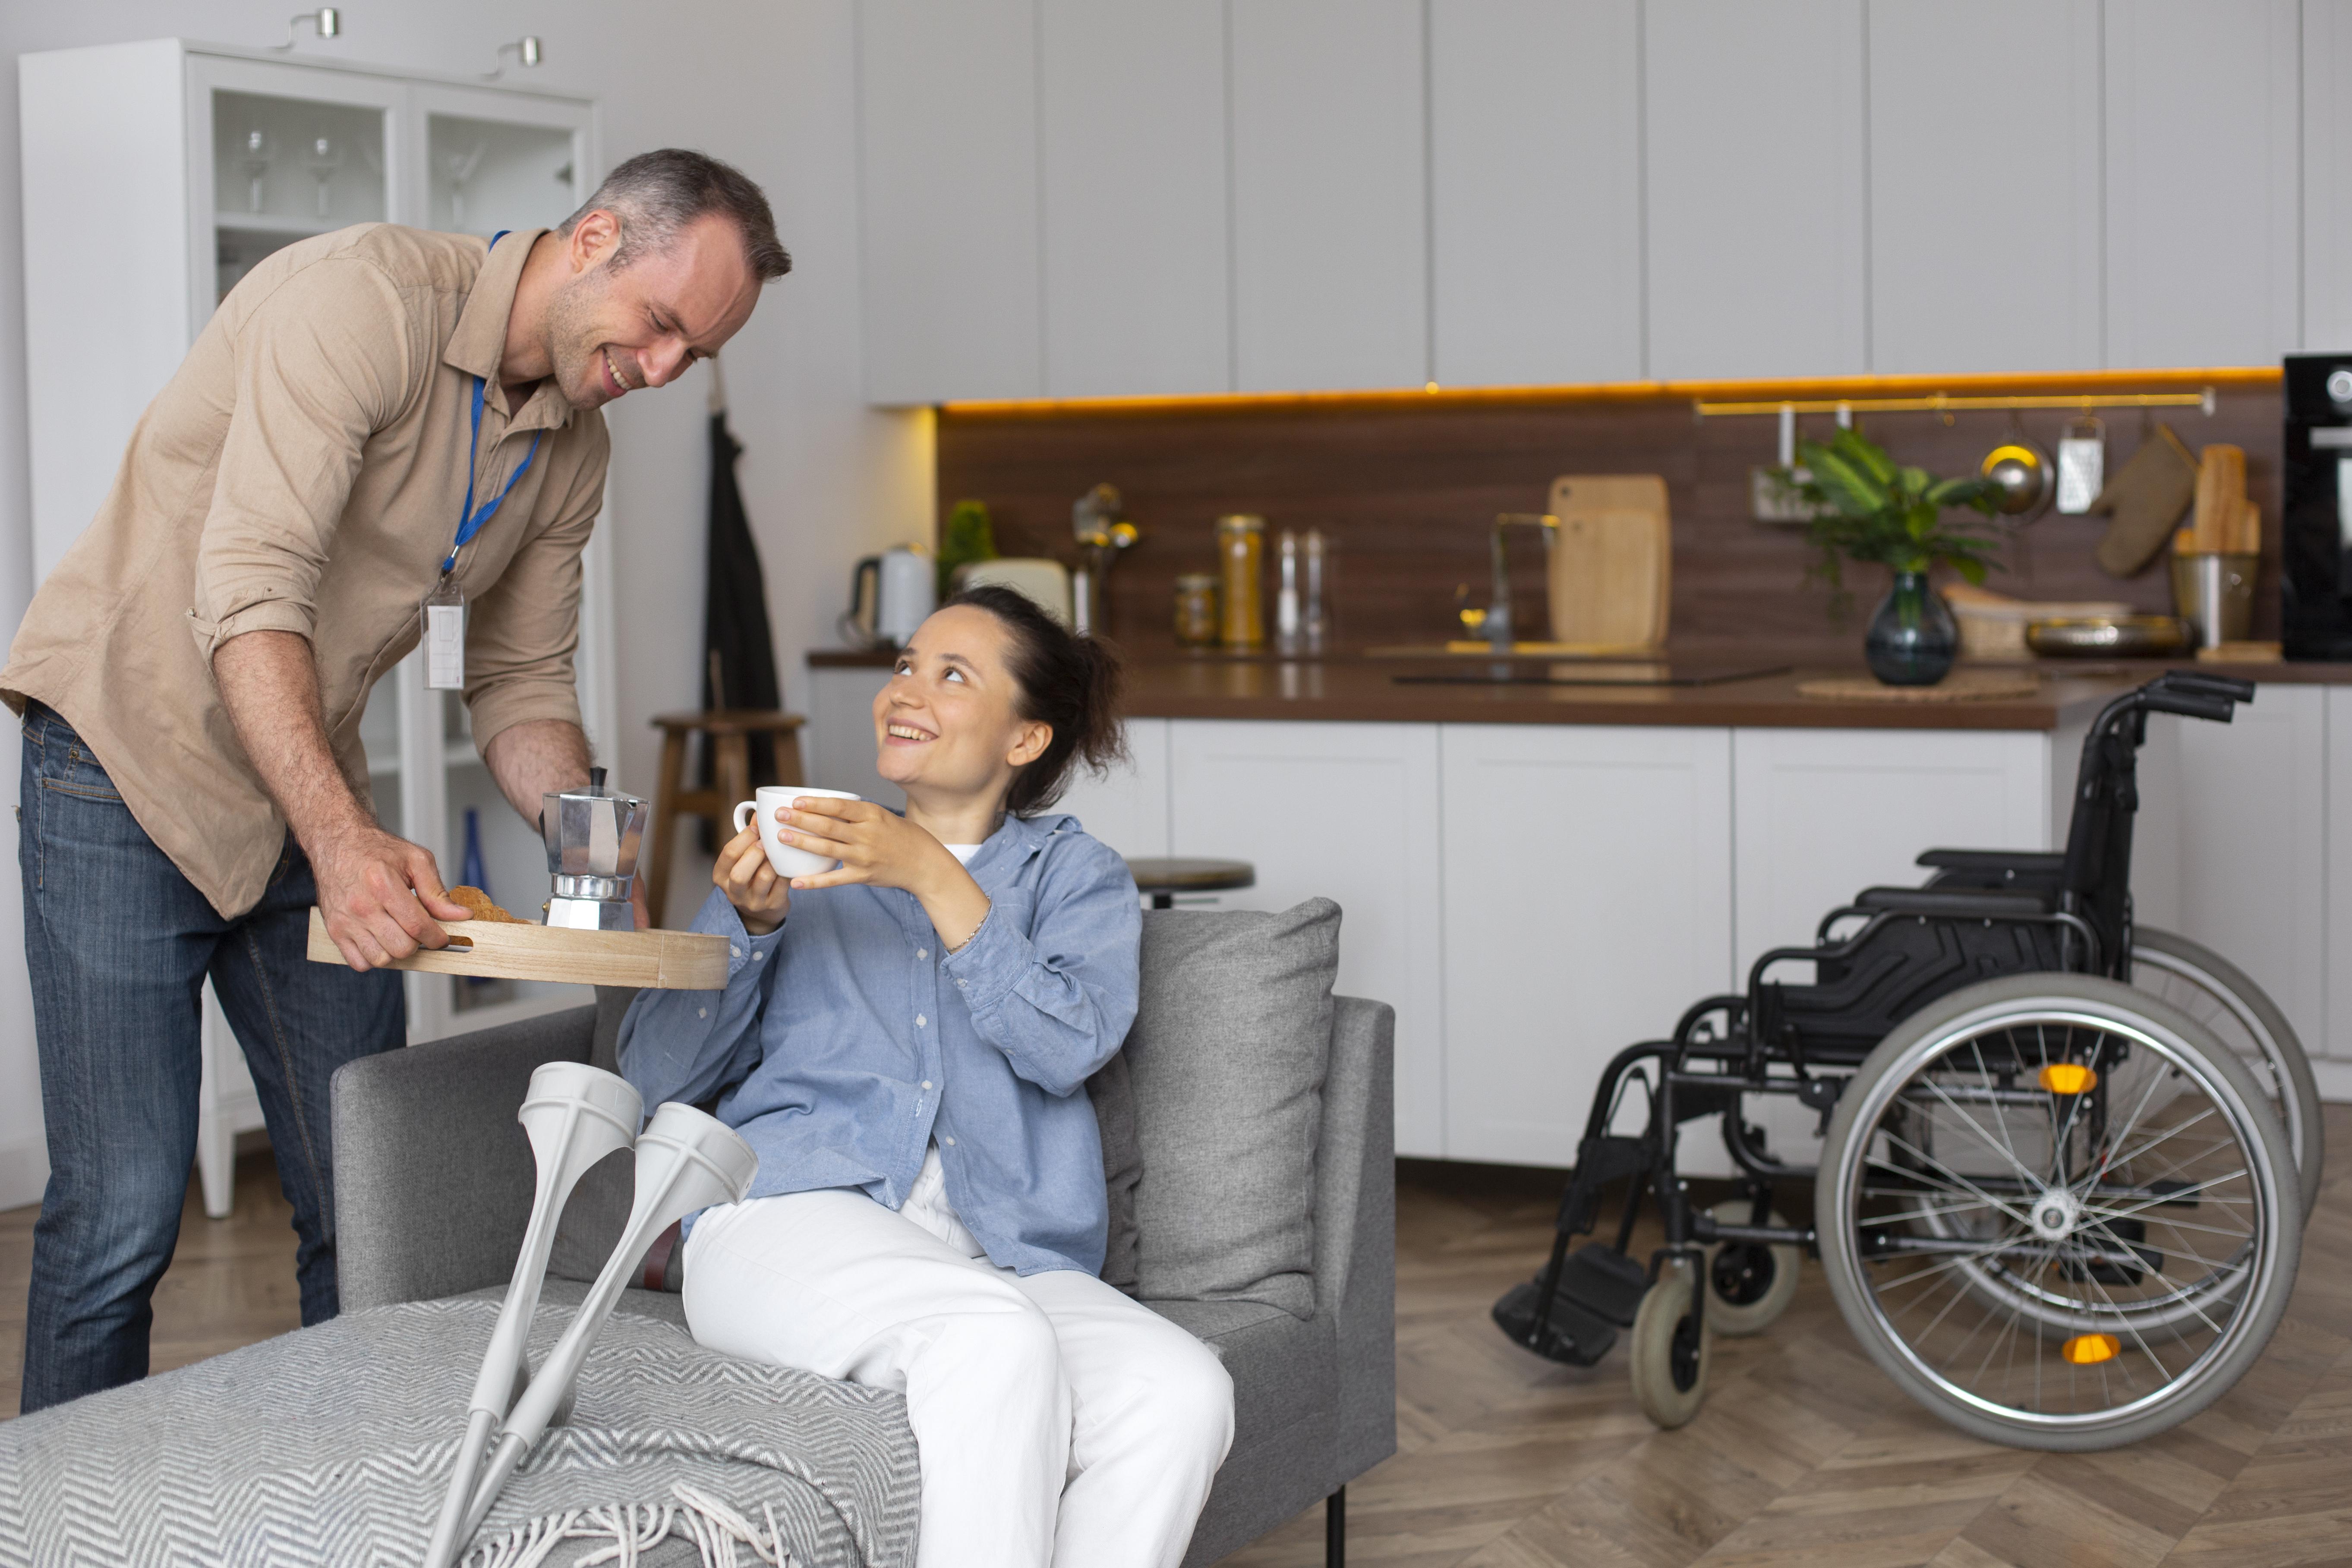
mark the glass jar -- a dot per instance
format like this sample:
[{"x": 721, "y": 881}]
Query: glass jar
[
  {"x": 1241, "y": 557},
  {"x": 1196, "y": 610}
]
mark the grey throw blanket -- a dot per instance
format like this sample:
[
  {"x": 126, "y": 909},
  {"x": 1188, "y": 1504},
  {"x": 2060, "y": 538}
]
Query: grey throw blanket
[{"x": 334, "y": 1446}]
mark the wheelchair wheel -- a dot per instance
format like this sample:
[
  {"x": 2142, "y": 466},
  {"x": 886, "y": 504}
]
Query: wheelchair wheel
[
  {"x": 1750, "y": 1284},
  {"x": 1670, "y": 1350},
  {"x": 2058, "y": 1212},
  {"x": 2218, "y": 995}
]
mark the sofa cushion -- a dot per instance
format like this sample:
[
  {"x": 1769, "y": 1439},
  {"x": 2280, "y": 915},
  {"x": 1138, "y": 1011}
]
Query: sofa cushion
[
  {"x": 1230, "y": 1042},
  {"x": 1112, "y": 1090}
]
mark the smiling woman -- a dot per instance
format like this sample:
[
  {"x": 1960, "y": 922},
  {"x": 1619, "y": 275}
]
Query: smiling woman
[{"x": 909, "y": 1056}]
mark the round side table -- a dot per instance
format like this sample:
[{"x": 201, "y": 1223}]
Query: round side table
[{"x": 1163, "y": 880}]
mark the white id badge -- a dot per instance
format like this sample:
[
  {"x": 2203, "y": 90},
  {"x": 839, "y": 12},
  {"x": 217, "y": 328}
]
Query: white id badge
[{"x": 444, "y": 638}]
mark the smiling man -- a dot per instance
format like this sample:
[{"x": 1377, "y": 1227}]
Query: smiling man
[{"x": 379, "y": 428}]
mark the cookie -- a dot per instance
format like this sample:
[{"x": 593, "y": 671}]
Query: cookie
[{"x": 477, "y": 903}]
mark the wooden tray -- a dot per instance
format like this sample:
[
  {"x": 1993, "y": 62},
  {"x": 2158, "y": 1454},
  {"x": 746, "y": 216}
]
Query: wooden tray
[{"x": 659, "y": 960}]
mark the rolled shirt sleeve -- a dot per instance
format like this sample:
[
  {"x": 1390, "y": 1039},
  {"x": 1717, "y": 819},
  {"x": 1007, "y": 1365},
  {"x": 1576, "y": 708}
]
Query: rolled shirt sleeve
[
  {"x": 523, "y": 634},
  {"x": 316, "y": 376},
  {"x": 687, "y": 1045},
  {"x": 1051, "y": 977}
]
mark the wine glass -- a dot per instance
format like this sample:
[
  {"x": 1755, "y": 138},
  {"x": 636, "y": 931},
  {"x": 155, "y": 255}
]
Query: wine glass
[
  {"x": 256, "y": 144},
  {"x": 460, "y": 167},
  {"x": 325, "y": 158}
]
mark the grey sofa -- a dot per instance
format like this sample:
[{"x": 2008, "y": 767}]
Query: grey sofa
[{"x": 433, "y": 1181}]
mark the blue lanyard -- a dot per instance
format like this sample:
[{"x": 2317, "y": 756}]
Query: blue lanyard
[{"x": 470, "y": 522}]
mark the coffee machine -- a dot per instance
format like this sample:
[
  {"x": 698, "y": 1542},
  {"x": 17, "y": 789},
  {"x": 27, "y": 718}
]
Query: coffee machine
[
  {"x": 593, "y": 838},
  {"x": 2315, "y": 531}
]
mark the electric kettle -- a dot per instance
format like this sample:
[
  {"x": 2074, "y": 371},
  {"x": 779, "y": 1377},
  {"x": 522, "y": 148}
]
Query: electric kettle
[{"x": 889, "y": 595}]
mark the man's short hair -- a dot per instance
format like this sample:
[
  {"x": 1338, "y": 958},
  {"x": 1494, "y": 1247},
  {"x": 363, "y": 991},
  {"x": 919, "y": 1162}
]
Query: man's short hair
[{"x": 655, "y": 195}]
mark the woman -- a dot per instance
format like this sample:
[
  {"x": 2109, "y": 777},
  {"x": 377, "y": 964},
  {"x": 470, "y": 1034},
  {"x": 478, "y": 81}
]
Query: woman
[{"x": 909, "y": 1055}]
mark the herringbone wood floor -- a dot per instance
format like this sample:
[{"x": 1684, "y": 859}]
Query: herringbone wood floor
[{"x": 1805, "y": 1455}]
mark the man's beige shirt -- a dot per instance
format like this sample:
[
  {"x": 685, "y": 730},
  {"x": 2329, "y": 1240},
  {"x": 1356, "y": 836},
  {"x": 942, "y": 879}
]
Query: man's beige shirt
[{"x": 304, "y": 472}]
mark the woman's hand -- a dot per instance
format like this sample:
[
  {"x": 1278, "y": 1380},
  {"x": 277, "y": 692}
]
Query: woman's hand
[
  {"x": 883, "y": 849},
  {"x": 751, "y": 884}
]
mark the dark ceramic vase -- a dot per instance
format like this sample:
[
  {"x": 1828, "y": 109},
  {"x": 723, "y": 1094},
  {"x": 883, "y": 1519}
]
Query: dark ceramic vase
[{"x": 1912, "y": 638}]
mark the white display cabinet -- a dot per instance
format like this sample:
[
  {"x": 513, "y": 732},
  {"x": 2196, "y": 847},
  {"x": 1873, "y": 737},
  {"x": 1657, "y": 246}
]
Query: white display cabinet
[{"x": 155, "y": 175}]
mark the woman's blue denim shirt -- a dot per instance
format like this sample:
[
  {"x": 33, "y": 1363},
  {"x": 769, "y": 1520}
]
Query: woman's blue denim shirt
[{"x": 846, "y": 1041}]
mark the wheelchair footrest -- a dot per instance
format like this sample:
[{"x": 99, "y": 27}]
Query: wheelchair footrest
[
  {"x": 1604, "y": 1282},
  {"x": 1568, "y": 1333}
]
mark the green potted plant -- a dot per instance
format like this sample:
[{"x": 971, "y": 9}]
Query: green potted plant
[
  {"x": 1867, "y": 507},
  {"x": 967, "y": 536}
]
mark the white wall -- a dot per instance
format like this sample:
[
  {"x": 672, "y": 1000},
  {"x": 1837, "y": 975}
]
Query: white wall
[{"x": 770, "y": 86}]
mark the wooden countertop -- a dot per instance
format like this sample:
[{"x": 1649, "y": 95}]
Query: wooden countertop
[{"x": 1353, "y": 688}]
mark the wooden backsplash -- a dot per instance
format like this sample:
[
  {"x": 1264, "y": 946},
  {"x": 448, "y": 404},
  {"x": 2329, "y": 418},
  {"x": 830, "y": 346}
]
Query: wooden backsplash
[{"x": 1408, "y": 493}]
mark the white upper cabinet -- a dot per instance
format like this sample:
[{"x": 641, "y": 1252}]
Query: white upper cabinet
[
  {"x": 1985, "y": 186},
  {"x": 1133, "y": 120},
  {"x": 2203, "y": 235},
  {"x": 947, "y": 150},
  {"x": 1536, "y": 190},
  {"x": 1753, "y": 126},
  {"x": 2326, "y": 175},
  {"x": 1329, "y": 194}
]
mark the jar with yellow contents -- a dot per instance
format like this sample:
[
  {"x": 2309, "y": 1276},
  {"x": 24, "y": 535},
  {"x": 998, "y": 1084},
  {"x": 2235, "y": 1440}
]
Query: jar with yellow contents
[{"x": 1241, "y": 564}]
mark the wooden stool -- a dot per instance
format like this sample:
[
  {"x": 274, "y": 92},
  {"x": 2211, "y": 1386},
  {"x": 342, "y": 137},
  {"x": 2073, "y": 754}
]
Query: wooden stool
[
  {"x": 730, "y": 731},
  {"x": 1163, "y": 880}
]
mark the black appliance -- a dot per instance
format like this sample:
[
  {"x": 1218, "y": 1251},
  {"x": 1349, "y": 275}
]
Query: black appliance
[{"x": 2316, "y": 578}]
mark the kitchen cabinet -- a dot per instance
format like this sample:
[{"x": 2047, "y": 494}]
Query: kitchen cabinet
[
  {"x": 2335, "y": 1042},
  {"x": 1127, "y": 808},
  {"x": 2203, "y": 220},
  {"x": 1131, "y": 98},
  {"x": 155, "y": 175},
  {"x": 1985, "y": 186},
  {"x": 946, "y": 114},
  {"x": 1588, "y": 902},
  {"x": 1535, "y": 191},
  {"x": 1818, "y": 815},
  {"x": 1347, "y": 811},
  {"x": 1329, "y": 194},
  {"x": 2326, "y": 175},
  {"x": 2254, "y": 850},
  {"x": 1754, "y": 172}
]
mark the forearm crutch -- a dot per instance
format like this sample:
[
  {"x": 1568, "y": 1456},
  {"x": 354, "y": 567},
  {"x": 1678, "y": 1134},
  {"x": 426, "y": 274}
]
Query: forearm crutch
[
  {"x": 687, "y": 1160},
  {"x": 576, "y": 1115}
]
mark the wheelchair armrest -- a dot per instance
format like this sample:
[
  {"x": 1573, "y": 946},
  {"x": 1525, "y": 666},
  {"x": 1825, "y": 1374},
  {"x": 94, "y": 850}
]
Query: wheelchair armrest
[
  {"x": 2023, "y": 862},
  {"x": 1952, "y": 904}
]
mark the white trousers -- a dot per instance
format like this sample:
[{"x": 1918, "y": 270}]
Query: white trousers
[{"x": 1059, "y": 1422}]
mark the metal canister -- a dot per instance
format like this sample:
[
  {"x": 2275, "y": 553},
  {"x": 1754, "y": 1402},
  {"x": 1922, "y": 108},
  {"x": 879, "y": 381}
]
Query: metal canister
[
  {"x": 1196, "y": 610},
  {"x": 1241, "y": 558}
]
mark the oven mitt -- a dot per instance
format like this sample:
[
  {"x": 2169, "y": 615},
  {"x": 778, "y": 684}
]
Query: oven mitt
[{"x": 2144, "y": 499}]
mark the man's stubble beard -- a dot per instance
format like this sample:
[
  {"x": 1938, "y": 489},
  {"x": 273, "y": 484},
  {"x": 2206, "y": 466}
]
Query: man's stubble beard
[{"x": 570, "y": 337}]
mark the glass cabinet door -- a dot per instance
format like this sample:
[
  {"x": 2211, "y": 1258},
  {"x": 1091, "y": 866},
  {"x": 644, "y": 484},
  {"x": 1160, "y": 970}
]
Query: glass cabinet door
[
  {"x": 481, "y": 162},
  {"x": 292, "y": 154}
]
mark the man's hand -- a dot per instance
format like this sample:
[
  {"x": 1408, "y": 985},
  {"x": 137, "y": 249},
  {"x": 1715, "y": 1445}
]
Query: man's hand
[
  {"x": 743, "y": 872},
  {"x": 380, "y": 896}
]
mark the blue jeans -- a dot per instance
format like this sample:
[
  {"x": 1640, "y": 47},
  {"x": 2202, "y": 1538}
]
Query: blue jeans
[{"x": 120, "y": 945}]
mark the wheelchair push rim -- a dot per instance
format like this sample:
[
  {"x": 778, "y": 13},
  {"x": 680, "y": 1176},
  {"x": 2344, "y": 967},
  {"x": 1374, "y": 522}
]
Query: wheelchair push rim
[
  {"x": 2242, "y": 1016},
  {"x": 2053, "y": 1259}
]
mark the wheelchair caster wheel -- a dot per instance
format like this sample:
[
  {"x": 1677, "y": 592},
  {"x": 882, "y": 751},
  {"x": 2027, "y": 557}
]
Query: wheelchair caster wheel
[
  {"x": 1669, "y": 1353},
  {"x": 1750, "y": 1284}
]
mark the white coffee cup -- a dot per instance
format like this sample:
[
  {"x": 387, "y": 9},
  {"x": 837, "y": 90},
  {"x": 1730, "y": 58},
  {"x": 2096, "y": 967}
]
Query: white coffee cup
[{"x": 788, "y": 861}]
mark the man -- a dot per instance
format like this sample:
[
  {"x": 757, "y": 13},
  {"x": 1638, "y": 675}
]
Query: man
[{"x": 371, "y": 418}]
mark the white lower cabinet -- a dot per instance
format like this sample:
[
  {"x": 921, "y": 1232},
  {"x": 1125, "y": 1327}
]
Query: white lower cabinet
[
  {"x": 1128, "y": 808},
  {"x": 1588, "y": 902},
  {"x": 2254, "y": 848},
  {"x": 1820, "y": 814},
  {"x": 1350, "y": 811},
  {"x": 2336, "y": 1042}
]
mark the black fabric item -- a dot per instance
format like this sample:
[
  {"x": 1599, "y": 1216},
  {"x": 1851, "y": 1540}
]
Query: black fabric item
[{"x": 739, "y": 652}]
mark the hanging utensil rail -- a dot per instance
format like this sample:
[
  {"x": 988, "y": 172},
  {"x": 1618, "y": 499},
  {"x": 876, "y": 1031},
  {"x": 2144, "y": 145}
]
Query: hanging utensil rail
[{"x": 1938, "y": 403}]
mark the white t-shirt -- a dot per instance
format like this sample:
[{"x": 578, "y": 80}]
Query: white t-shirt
[{"x": 964, "y": 852}]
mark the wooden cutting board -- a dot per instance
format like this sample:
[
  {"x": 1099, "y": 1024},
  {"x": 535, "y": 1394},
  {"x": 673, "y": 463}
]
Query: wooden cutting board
[
  {"x": 658, "y": 960},
  {"x": 1611, "y": 560}
]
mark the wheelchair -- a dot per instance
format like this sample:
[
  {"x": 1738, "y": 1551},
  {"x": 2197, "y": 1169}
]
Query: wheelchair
[{"x": 2064, "y": 1163}]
